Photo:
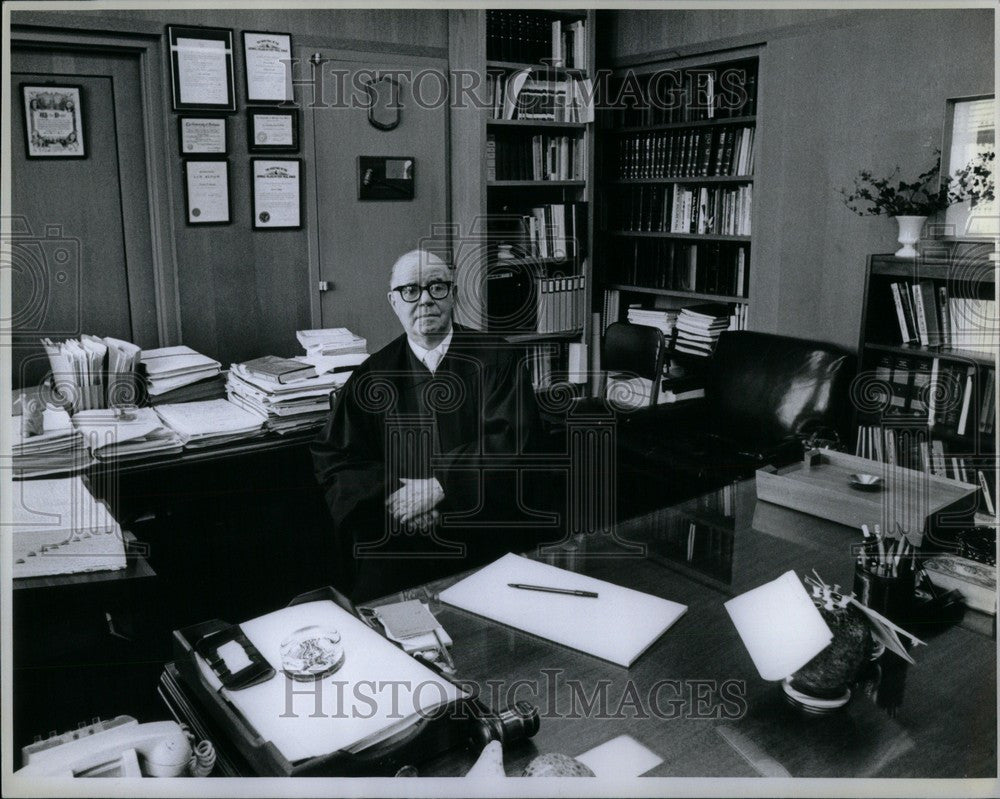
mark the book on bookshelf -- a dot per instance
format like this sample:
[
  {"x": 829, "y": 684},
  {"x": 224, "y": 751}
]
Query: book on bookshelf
[
  {"x": 708, "y": 152},
  {"x": 927, "y": 314},
  {"x": 517, "y": 156},
  {"x": 536, "y": 37}
]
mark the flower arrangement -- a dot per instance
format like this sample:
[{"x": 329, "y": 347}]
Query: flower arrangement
[{"x": 924, "y": 196}]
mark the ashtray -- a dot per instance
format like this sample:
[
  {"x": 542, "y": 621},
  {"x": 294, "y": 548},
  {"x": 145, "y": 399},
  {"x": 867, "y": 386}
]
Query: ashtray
[
  {"x": 311, "y": 653},
  {"x": 865, "y": 482}
]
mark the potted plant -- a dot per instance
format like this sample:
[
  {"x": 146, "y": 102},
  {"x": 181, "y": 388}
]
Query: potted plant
[{"x": 910, "y": 203}]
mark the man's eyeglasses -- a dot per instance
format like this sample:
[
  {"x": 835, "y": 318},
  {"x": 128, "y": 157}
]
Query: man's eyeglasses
[{"x": 438, "y": 289}]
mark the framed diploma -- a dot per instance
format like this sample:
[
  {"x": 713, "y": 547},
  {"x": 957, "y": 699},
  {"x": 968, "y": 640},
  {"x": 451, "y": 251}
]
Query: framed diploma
[
  {"x": 53, "y": 121},
  {"x": 272, "y": 130},
  {"x": 277, "y": 193},
  {"x": 206, "y": 189},
  {"x": 201, "y": 68},
  {"x": 268, "y": 61},
  {"x": 202, "y": 135}
]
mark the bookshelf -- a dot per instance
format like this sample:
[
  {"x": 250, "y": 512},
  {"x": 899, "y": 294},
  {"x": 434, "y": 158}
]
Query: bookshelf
[
  {"x": 522, "y": 212},
  {"x": 926, "y": 394},
  {"x": 677, "y": 173}
]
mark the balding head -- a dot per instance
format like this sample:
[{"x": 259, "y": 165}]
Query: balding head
[
  {"x": 415, "y": 261},
  {"x": 426, "y": 320}
]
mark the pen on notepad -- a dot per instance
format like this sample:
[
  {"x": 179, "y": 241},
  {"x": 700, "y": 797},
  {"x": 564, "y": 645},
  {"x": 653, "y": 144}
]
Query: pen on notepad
[{"x": 547, "y": 589}]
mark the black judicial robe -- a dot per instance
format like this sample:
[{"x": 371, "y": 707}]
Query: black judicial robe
[{"x": 468, "y": 425}]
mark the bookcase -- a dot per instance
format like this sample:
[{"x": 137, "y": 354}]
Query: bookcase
[
  {"x": 522, "y": 211},
  {"x": 677, "y": 177},
  {"x": 926, "y": 393}
]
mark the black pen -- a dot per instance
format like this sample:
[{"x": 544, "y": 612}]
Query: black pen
[{"x": 570, "y": 591}]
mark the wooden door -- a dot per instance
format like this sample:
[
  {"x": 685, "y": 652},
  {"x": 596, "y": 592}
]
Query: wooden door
[
  {"x": 358, "y": 241},
  {"x": 81, "y": 251}
]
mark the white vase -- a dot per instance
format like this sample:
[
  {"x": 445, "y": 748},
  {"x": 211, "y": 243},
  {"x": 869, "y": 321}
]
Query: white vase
[{"x": 910, "y": 228}]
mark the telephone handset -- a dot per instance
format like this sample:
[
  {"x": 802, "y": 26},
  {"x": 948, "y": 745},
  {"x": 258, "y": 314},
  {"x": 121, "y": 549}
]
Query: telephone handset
[{"x": 161, "y": 749}]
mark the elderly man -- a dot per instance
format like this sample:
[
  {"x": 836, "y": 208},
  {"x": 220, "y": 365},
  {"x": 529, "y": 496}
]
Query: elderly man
[{"x": 419, "y": 461}]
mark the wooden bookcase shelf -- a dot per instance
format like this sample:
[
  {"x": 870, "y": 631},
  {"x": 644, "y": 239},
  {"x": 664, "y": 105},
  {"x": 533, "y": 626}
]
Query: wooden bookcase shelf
[
  {"x": 655, "y": 234},
  {"x": 538, "y": 70},
  {"x": 691, "y": 295},
  {"x": 743, "y": 121},
  {"x": 702, "y": 179},
  {"x": 536, "y": 184},
  {"x": 535, "y": 123}
]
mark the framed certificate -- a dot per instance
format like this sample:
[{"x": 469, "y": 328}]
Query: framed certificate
[
  {"x": 272, "y": 130},
  {"x": 201, "y": 68},
  {"x": 268, "y": 61},
  {"x": 53, "y": 121},
  {"x": 206, "y": 190},
  {"x": 277, "y": 193},
  {"x": 202, "y": 135}
]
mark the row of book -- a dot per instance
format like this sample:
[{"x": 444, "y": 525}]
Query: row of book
[
  {"x": 705, "y": 210},
  {"x": 722, "y": 151},
  {"x": 531, "y": 37},
  {"x": 537, "y": 157},
  {"x": 706, "y": 267},
  {"x": 927, "y": 315},
  {"x": 947, "y": 394},
  {"x": 678, "y": 96},
  {"x": 517, "y": 95},
  {"x": 556, "y": 230},
  {"x": 901, "y": 447},
  {"x": 561, "y": 303}
]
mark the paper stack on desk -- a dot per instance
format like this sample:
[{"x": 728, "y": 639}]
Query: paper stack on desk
[
  {"x": 58, "y": 449},
  {"x": 168, "y": 368},
  {"x": 59, "y": 528},
  {"x": 331, "y": 341},
  {"x": 209, "y": 423},
  {"x": 93, "y": 372},
  {"x": 618, "y": 625},
  {"x": 112, "y": 434}
]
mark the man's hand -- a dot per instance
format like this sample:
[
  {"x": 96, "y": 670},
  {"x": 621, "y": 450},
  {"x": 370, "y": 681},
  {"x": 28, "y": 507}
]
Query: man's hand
[
  {"x": 425, "y": 521},
  {"x": 416, "y": 498}
]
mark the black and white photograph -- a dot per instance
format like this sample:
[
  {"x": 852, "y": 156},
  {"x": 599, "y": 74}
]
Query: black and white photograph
[{"x": 507, "y": 400}]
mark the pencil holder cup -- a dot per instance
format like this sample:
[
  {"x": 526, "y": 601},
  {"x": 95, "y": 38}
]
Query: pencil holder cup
[{"x": 890, "y": 596}]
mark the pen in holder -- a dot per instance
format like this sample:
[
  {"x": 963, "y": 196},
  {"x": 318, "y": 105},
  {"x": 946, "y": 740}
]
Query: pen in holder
[{"x": 884, "y": 576}]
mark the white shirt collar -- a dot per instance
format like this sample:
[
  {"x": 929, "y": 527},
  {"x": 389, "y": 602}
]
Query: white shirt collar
[{"x": 431, "y": 358}]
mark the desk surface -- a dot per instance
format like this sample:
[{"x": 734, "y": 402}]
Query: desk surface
[{"x": 934, "y": 719}]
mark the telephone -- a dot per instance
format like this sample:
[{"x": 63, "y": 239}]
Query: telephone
[{"x": 121, "y": 747}]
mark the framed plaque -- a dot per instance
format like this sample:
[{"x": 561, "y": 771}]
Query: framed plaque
[
  {"x": 267, "y": 58},
  {"x": 201, "y": 68},
  {"x": 202, "y": 135},
  {"x": 206, "y": 192},
  {"x": 53, "y": 121},
  {"x": 277, "y": 193},
  {"x": 272, "y": 130}
]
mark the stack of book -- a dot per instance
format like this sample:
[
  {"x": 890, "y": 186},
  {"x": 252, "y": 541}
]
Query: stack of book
[
  {"x": 331, "y": 341},
  {"x": 93, "y": 372},
  {"x": 928, "y": 316},
  {"x": 206, "y": 424},
  {"x": 699, "y": 327},
  {"x": 169, "y": 368},
  {"x": 287, "y": 394},
  {"x": 52, "y": 447},
  {"x": 662, "y": 320},
  {"x": 126, "y": 435}
]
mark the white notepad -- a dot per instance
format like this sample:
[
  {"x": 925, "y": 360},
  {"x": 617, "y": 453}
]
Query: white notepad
[{"x": 619, "y": 625}]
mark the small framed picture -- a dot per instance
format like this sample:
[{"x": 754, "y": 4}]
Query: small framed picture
[
  {"x": 272, "y": 130},
  {"x": 277, "y": 193},
  {"x": 201, "y": 68},
  {"x": 206, "y": 191},
  {"x": 53, "y": 121},
  {"x": 267, "y": 58},
  {"x": 202, "y": 135}
]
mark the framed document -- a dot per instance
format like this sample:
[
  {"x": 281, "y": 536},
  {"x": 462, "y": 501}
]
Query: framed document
[
  {"x": 969, "y": 136},
  {"x": 201, "y": 68},
  {"x": 202, "y": 135},
  {"x": 53, "y": 121},
  {"x": 272, "y": 130},
  {"x": 268, "y": 61},
  {"x": 277, "y": 193},
  {"x": 206, "y": 189}
]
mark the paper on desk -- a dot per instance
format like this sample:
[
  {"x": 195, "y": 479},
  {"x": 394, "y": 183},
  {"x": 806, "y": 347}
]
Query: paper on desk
[
  {"x": 780, "y": 627},
  {"x": 620, "y": 758},
  {"x": 617, "y": 626},
  {"x": 192, "y": 420},
  {"x": 378, "y": 688}
]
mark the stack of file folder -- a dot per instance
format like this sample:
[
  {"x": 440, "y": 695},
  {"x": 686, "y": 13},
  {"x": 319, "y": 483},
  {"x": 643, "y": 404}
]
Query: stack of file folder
[
  {"x": 169, "y": 368},
  {"x": 331, "y": 341},
  {"x": 699, "y": 327},
  {"x": 207, "y": 388},
  {"x": 58, "y": 449},
  {"x": 210, "y": 423},
  {"x": 296, "y": 404},
  {"x": 122, "y": 435},
  {"x": 93, "y": 372},
  {"x": 59, "y": 528}
]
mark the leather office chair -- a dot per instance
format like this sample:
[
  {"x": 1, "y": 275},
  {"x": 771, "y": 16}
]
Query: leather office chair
[{"x": 634, "y": 350}]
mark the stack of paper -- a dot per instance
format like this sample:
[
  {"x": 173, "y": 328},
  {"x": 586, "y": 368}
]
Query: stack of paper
[
  {"x": 331, "y": 341},
  {"x": 205, "y": 424},
  {"x": 207, "y": 388},
  {"x": 663, "y": 321},
  {"x": 699, "y": 327},
  {"x": 93, "y": 372},
  {"x": 168, "y": 368},
  {"x": 285, "y": 407},
  {"x": 58, "y": 449},
  {"x": 126, "y": 435},
  {"x": 59, "y": 528}
]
